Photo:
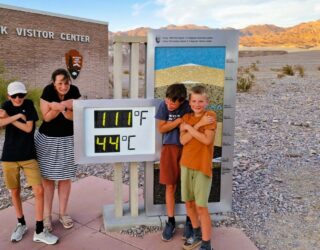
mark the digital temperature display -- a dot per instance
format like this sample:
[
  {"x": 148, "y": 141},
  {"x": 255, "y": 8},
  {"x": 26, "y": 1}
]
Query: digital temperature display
[
  {"x": 113, "y": 119},
  {"x": 116, "y": 130}
]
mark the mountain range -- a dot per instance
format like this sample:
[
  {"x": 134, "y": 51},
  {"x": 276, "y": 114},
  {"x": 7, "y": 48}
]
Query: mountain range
[{"x": 304, "y": 35}]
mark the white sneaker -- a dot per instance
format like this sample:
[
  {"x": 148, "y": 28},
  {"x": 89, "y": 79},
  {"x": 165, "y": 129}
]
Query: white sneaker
[
  {"x": 45, "y": 237},
  {"x": 18, "y": 233}
]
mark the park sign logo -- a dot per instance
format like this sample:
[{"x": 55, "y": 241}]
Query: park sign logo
[{"x": 74, "y": 62}]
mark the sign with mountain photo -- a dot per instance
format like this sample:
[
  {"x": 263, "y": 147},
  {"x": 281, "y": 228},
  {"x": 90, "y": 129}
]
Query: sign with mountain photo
[{"x": 198, "y": 57}]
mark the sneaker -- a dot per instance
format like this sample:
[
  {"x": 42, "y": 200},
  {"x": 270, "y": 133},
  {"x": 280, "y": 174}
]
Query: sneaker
[
  {"x": 187, "y": 231},
  {"x": 202, "y": 247},
  {"x": 18, "y": 233},
  {"x": 45, "y": 237},
  {"x": 192, "y": 243},
  {"x": 168, "y": 231}
]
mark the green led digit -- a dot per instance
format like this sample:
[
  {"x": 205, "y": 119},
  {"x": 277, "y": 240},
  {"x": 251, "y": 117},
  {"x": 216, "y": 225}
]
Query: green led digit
[
  {"x": 103, "y": 143},
  {"x": 116, "y": 143},
  {"x": 129, "y": 118},
  {"x": 117, "y": 118},
  {"x": 104, "y": 119}
]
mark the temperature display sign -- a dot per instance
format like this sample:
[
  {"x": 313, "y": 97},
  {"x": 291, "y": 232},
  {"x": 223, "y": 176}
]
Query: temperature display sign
[{"x": 116, "y": 130}]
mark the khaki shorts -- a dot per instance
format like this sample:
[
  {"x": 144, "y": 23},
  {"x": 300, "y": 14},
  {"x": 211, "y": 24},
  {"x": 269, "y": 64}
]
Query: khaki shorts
[
  {"x": 11, "y": 172},
  {"x": 195, "y": 186}
]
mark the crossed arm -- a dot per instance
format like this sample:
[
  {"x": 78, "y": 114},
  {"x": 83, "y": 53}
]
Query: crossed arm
[
  {"x": 5, "y": 120},
  {"x": 187, "y": 132},
  {"x": 166, "y": 126},
  {"x": 51, "y": 110}
]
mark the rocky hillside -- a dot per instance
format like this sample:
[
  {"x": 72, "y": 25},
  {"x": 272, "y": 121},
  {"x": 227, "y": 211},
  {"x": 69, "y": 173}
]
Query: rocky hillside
[
  {"x": 256, "y": 30},
  {"x": 304, "y": 35}
]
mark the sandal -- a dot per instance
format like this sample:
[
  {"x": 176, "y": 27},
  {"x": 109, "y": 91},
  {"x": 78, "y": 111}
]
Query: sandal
[
  {"x": 66, "y": 221},
  {"x": 47, "y": 223}
]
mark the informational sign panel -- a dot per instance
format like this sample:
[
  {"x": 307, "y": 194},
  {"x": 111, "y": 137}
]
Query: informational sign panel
[
  {"x": 192, "y": 57},
  {"x": 115, "y": 130}
]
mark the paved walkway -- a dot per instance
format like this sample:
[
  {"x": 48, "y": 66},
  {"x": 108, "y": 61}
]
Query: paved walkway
[{"x": 87, "y": 199}]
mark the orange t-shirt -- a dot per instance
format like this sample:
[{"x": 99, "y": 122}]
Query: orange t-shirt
[{"x": 195, "y": 154}]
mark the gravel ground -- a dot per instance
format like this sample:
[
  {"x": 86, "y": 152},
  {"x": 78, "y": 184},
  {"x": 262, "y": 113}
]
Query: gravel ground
[
  {"x": 276, "y": 188},
  {"x": 277, "y": 154}
]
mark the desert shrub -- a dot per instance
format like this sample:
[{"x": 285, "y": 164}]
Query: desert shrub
[
  {"x": 254, "y": 67},
  {"x": 300, "y": 69},
  {"x": 319, "y": 68},
  {"x": 245, "y": 79},
  {"x": 244, "y": 84},
  {"x": 288, "y": 70}
]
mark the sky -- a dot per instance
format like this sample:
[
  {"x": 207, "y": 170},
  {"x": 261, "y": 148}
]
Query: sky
[{"x": 123, "y": 15}]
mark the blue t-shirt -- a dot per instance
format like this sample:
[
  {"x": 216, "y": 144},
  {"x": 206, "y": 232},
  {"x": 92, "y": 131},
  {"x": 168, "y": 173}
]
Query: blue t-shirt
[{"x": 173, "y": 136}]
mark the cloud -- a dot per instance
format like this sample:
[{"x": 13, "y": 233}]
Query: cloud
[
  {"x": 137, "y": 8},
  {"x": 238, "y": 14}
]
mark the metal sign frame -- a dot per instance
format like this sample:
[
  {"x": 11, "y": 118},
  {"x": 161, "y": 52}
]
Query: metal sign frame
[{"x": 200, "y": 38}]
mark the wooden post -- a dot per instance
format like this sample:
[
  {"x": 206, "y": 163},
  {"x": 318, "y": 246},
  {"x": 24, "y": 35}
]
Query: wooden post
[
  {"x": 134, "y": 93},
  {"x": 117, "y": 71},
  {"x": 117, "y": 93}
]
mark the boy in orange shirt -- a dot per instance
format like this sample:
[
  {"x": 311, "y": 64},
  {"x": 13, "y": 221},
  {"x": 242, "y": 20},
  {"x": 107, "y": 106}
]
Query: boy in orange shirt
[{"x": 196, "y": 167}]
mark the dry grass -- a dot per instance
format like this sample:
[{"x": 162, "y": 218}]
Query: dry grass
[
  {"x": 288, "y": 70},
  {"x": 300, "y": 69},
  {"x": 254, "y": 67}
]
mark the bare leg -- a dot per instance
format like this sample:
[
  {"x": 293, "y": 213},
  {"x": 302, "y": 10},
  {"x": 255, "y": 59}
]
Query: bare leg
[
  {"x": 16, "y": 200},
  {"x": 192, "y": 213},
  {"x": 205, "y": 222},
  {"x": 64, "y": 188},
  {"x": 39, "y": 200},
  {"x": 170, "y": 202},
  {"x": 48, "y": 186}
]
